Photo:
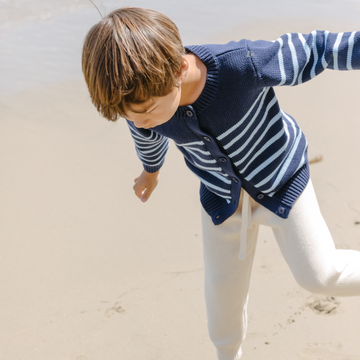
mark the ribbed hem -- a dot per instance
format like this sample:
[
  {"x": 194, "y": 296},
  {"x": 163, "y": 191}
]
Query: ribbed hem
[
  {"x": 229, "y": 354},
  {"x": 210, "y": 202},
  {"x": 294, "y": 187}
]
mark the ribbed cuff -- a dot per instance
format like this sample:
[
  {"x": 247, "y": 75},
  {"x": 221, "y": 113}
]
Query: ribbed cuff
[
  {"x": 229, "y": 354},
  {"x": 153, "y": 169}
]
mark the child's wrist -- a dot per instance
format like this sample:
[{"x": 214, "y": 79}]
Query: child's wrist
[{"x": 152, "y": 173}]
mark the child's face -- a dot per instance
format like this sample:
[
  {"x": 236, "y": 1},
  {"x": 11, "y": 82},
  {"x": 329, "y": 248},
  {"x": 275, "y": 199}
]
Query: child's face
[{"x": 156, "y": 111}]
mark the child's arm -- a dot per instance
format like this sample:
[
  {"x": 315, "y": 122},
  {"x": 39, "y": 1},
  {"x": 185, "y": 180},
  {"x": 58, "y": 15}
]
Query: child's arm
[
  {"x": 296, "y": 58},
  {"x": 145, "y": 184},
  {"x": 151, "y": 149}
]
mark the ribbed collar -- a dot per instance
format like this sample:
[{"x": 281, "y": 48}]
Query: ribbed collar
[{"x": 211, "y": 86}]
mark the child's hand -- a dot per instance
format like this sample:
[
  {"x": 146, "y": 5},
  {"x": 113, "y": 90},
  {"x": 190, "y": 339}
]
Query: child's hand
[{"x": 145, "y": 184}]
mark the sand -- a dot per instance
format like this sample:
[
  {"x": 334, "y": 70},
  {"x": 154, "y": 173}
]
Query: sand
[{"x": 88, "y": 272}]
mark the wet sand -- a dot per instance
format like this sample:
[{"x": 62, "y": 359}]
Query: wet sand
[{"x": 89, "y": 272}]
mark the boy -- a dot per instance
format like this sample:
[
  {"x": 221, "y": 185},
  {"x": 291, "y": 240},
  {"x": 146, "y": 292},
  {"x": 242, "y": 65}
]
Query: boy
[{"x": 218, "y": 104}]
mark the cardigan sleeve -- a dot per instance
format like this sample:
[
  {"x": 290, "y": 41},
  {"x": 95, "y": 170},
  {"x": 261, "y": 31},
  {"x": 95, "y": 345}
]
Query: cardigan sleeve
[
  {"x": 295, "y": 58},
  {"x": 150, "y": 147}
]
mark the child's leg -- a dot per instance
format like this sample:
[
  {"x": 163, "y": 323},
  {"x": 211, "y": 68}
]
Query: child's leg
[
  {"x": 227, "y": 283},
  {"x": 309, "y": 250}
]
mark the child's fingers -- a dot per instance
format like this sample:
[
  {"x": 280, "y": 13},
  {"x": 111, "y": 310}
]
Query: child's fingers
[
  {"x": 137, "y": 184},
  {"x": 146, "y": 193},
  {"x": 144, "y": 185},
  {"x": 143, "y": 192},
  {"x": 138, "y": 190}
]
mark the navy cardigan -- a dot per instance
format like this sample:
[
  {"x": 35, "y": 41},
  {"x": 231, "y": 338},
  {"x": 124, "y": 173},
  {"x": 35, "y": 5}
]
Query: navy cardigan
[{"x": 235, "y": 134}]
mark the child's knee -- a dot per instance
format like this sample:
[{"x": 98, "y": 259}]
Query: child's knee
[{"x": 316, "y": 284}]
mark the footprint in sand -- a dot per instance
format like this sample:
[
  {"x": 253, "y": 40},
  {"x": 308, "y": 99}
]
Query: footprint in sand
[
  {"x": 323, "y": 305},
  {"x": 116, "y": 309}
]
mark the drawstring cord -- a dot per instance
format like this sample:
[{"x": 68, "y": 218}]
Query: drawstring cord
[{"x": 246, "y": 224}]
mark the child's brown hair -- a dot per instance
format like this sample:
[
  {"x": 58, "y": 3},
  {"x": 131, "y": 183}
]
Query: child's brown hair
[{"x": 130, "y": 56}]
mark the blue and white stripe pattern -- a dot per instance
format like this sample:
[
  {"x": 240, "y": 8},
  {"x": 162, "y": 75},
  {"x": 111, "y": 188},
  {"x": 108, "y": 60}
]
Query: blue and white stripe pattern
[
  {"x": 150, "y": 149},
  {"x": 300, "y": 58},
  {"x": 266, "y": 128},
  {"x": 236, "y": 135},
  {"x": 206, "y": 168}
]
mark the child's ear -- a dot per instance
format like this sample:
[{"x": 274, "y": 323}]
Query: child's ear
[{"x": 184, "y": 70}]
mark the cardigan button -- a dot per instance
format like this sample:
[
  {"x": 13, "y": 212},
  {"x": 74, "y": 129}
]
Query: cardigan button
[
  {"x": 234, "y": 179},
  {"x": 281, "y": 210},
  {"x": 189, "y": 113},
  {"x": 222, "y": 159},
  {"x": 217, "y": 217},
  {"x": 206, "y": 138},
  {"x": 260, "y": 196}
]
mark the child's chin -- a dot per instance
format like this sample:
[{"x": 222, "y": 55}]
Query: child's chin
[{"x": 155, "y": 125}]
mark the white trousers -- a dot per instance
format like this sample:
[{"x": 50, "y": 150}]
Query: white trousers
[{"x": 307, "y": 247}]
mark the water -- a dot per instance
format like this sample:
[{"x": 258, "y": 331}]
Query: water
[{"x": 41, "y": 41}]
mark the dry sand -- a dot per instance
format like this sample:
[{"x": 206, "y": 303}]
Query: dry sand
[{"x": 88, "y": 272}]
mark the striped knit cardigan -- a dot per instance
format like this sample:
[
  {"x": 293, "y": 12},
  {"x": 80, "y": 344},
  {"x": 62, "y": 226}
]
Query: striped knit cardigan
[{"x": 235, "y": 134}]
